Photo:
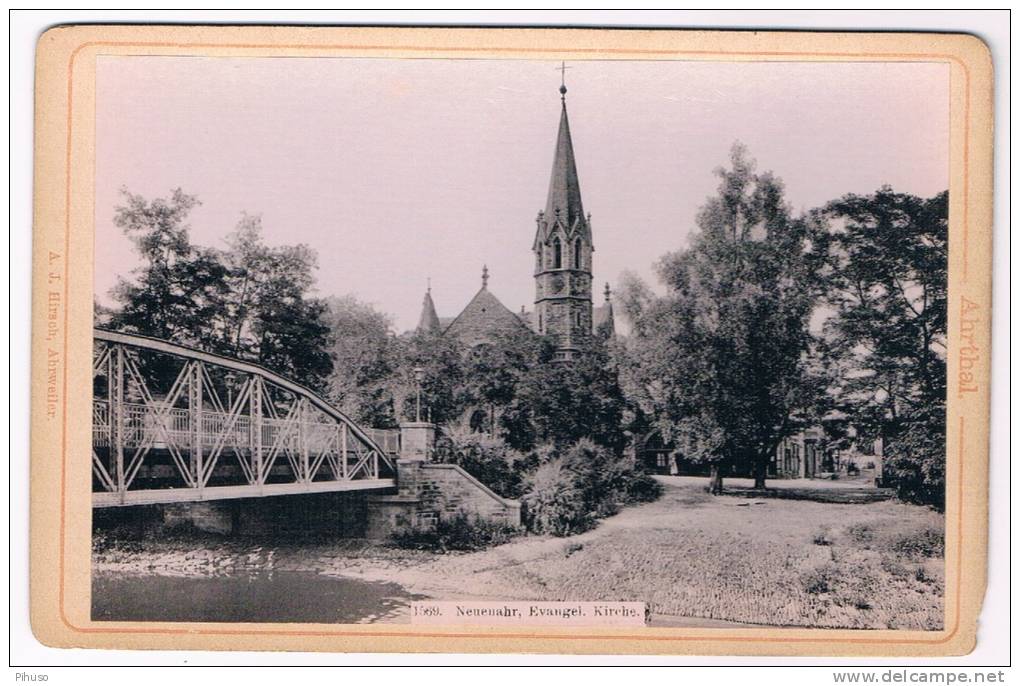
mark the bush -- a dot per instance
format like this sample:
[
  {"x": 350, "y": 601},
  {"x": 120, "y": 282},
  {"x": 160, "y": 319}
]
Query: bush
[
  {"x": 822, "y": 537},
  {"x": 462, "y": 532},
  {"x": 554, "y": 504},
  {"x": 568, "y": 493},
  {"x": 863, "y": 534},
  {"x": 487, "y": 459},
  {"x": 915, "y": 460},
  {"x": 926, "y": 542},
  {"x": 821, "y": 579},
  {"x": 642, "y": 488}
]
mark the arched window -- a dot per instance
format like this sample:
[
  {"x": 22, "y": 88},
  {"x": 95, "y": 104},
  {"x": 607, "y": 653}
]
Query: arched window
[
  {"x": 541, "y": 256},
  {"x": 540, "y": 323},
  {"x": 577, "y": 254},
  {"x": 557, "y": 254}
]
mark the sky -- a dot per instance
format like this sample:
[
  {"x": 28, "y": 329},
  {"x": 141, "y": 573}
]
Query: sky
[{"x": 396, "y": 171}]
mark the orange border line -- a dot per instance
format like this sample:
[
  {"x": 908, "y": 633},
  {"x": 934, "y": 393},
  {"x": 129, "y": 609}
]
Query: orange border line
[{"x": 838, "y": 57}]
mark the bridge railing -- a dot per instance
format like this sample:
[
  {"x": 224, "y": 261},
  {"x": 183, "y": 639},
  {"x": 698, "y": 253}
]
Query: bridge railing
[{"x": 169, "y": 418}]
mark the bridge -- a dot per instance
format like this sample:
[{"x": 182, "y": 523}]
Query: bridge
[{"x": 172, "y": 424}]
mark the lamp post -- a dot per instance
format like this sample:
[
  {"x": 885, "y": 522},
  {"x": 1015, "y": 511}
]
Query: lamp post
[{"x": 419, "y": 376}]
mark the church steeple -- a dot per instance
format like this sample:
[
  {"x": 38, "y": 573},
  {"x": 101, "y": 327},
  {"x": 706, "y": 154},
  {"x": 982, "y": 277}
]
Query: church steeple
[
  {"x": 428, "y": 322},
  {"x": 563, "y": 252},
  {"x": 563, "y": 203}
]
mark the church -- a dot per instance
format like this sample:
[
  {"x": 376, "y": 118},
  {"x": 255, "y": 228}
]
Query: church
[{"x": 563, "y": 248}]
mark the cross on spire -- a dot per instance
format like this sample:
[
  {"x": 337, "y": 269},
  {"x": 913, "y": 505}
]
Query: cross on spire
[
  {"x": 485, "y": 276},
  {"x": 562, "y": 69}
]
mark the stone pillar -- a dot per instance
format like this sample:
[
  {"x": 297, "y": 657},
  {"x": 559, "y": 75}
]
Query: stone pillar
[
  {"x": 417, "y": 441},
  {"x": 404, "y": 511}
]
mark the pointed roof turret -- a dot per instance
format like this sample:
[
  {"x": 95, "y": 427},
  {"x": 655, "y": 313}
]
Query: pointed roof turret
[
  {"x": 429, "y": 320},
  {"x": 603, "y": 321}
]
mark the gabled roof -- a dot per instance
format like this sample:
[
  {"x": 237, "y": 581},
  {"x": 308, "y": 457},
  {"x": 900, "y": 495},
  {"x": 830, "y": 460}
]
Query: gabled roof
[{"x": 484, "y": 315}]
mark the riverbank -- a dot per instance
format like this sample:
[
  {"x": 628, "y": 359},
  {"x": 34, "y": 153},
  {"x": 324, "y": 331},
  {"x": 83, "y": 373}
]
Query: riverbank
[{"x": 691, "y": 556}]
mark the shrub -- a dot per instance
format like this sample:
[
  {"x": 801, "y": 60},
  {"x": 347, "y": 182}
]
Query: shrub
[
  {"x": 822, "y": 537},
  {"x": 642, "y": 488},
  {"x": 821, "y": 579},
  {"x": 861, "y": 533},
  {"x": 892, "y": 565},
  {"x": 915, "y": 460},
  {"x": 927, "y": 542},
  {"x": 462, "y": 532},
  {"x": 554, "y": 504},
  {"x": 568, "y": 493}
]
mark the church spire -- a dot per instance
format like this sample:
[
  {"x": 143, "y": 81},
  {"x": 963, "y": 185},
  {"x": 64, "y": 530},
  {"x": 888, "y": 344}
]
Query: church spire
[
  {"x": 429, "y": 320},
  {"x": 563, "y": 251},
  {"x": 563, "y": 203}
]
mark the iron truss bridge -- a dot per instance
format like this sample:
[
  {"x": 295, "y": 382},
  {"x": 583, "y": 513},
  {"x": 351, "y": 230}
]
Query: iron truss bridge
[{"x": 173, "y": 424}]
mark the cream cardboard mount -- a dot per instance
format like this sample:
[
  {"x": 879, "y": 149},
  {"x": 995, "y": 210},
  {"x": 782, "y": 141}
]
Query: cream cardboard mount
[{"x": 63, "y": 339}]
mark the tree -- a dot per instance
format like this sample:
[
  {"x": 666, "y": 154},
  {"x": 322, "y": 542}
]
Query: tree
[
  {"x": 887, "y": 285},
  {"x": 494, "y": 372},
  {"x": 271, "y": 316},
  {"x": 723, "y": 358},
  {"x": 562, "y": 403},
  {"x": 180, "y": 289},
  {"x": 365, "y": 359},
  {"x": 249, "y": 301},
  {"x": 440, "y": 359}
]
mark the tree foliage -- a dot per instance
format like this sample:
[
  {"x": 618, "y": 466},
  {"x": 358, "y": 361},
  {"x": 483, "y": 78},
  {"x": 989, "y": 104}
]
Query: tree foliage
[
  {"x": 721, "y": 360},
  {"x": 887, "y": 285},
  {"x": 250, "y": 300},
  {"x": 366, "y": 356}
]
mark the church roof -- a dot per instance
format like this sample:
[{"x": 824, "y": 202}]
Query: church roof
[
  {"x": 482, "y": 317},
  {"x": 563, "y": 203},
  {"x": 564, "y": 199},
  {"x": 428, "y": 321},
  {"x": 602, "y": 318},
  {"x": 602, "y": 315}
]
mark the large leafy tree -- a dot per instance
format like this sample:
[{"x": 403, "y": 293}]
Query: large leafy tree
[
  {"x": 722, "y": 358},
  {"x": 250, "y": 300},
  {"x": 887, "y": 285},
  {"x": 440, "y": 362},
  {"x": 560, "y": 403},
  {"x": 180, "y": 291},
  {"x": 366, "y": 356},
  {"x": 495, "y": 372}
]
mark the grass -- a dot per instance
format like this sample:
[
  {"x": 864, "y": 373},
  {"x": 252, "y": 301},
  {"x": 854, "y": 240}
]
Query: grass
[{"x": 874, "y": 565}]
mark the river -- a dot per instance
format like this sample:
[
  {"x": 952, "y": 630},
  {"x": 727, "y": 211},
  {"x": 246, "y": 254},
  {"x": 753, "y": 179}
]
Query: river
[{"x": 276, "y": 596}]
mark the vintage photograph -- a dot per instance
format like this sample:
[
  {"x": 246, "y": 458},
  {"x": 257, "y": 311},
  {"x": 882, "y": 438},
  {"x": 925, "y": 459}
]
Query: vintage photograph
[{"x": 372, "y": 331}]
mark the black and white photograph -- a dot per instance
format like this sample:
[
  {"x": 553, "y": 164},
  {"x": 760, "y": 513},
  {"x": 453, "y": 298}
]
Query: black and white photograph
[{"x": 372, "y": 333}]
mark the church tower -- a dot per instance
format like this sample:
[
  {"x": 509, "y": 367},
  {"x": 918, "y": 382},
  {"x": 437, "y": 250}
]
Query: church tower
[{"x": 563, "y": 251}]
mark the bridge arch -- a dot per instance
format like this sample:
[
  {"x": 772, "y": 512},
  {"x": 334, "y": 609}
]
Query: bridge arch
[{"x": 175, "y": 424}]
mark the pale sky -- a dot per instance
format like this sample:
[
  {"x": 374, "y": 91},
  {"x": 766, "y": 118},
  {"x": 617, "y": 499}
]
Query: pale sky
[{"x": 394, "y": 171}]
